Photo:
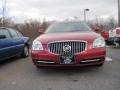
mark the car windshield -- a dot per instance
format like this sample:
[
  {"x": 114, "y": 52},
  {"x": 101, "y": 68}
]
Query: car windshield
[{"x": 68, "y": 27}]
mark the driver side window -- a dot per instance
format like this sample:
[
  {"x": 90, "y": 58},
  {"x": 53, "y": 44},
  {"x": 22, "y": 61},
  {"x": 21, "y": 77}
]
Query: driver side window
[
  {"x": 13, "y": 33},
  {"x": 5, "y": 32}
]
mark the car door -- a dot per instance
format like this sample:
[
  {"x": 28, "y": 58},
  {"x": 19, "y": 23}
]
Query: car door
[
  {"x": 6, "y": 45},
  {"x": 18, "y": 42}
]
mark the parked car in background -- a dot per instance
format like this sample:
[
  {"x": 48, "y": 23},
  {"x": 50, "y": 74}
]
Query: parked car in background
[
  {"x": 68, "y": 44},
  {"x": 112, "y": 36},
  {"x": 12, "y": 43}
]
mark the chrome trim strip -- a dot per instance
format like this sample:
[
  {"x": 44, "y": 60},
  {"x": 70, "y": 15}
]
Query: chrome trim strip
[
  {"x": 90, "y": 60},
  {"x": 21, "y": 45},
  {"x": 45, "y": 62}
]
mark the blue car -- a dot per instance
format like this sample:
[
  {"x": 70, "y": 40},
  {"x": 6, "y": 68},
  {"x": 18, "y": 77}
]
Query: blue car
[{"x": 12, "y": 43}]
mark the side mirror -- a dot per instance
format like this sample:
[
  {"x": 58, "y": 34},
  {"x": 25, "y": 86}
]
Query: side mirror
[
  {"x": 41, "y": 31},
  {"x": 2, "y": 36}
]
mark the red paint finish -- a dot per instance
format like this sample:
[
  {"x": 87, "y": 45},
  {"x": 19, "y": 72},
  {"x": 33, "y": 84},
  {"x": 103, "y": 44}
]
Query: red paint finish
[
  {"x": 118, "y": 31},
  {"x": 89, "y": 54},
  {"x": 51, "y": 37}
]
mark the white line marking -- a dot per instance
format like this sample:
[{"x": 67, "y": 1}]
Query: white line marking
[{"x": 108, "y": 59}]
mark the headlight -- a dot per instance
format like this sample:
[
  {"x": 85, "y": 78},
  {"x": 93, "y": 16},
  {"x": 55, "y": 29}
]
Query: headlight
[
  {"x": 99, "y": 42},
  {"x": 37, "y": 45}
]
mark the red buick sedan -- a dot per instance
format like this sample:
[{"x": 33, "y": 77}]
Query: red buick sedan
[{"x": 68, "y": 44}]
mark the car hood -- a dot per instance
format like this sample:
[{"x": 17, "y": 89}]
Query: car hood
[{"x": 51, "y": 37}]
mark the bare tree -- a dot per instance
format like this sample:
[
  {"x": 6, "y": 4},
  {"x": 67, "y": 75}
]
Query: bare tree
[{"x": 3, "y": 10}]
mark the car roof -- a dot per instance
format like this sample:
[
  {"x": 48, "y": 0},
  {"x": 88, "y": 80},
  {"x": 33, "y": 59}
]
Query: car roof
[
  {"x": 70, "y": 22},
  {"x": 4, "y": 28}
]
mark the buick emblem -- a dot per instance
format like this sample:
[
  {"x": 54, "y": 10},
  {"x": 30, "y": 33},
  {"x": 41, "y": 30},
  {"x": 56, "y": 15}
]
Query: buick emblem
[{"x": 66, "y": 48}]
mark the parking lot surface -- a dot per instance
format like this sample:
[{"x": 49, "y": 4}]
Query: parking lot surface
[{"x": 20, "y": 74}]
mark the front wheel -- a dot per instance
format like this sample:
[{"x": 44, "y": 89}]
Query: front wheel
[
  {"x": 100, "y": 65},
  {"x": 25, "y": 52}
]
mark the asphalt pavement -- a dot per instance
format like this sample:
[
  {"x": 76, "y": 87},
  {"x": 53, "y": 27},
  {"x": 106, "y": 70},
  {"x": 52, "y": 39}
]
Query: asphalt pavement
[{"x": 20, "y": 74}]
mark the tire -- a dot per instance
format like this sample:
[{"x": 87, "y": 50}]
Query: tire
[
  {"x": 25, "y": 52},
  {"x": 40, "y": 67},
  {"x": 99, "y": 65}
]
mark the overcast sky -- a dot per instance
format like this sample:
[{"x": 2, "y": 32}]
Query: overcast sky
[{"x": 19, "y": 10}]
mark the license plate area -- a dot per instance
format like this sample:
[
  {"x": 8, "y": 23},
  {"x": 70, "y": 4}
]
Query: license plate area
[{"x": 67, "y": 59}]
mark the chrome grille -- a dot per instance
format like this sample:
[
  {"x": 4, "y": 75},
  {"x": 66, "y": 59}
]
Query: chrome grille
[{"x": 74, "y": 46}]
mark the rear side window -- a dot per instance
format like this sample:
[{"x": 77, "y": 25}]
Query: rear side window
[
  {"x": 5, "y": 32},
  {"x": 19, "y": 34},
  {"x": 13, "y": 33}
]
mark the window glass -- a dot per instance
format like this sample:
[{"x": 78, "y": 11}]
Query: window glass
[
  {"x": 68, "y": 27},
  {"x": 5, "y": 32},
  {"x": 14, "y": 33},
  {"x": 19, "y": 34}
]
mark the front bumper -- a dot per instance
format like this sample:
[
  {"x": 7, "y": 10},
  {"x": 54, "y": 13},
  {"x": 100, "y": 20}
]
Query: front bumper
[{"x": 89, "y": 57}]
